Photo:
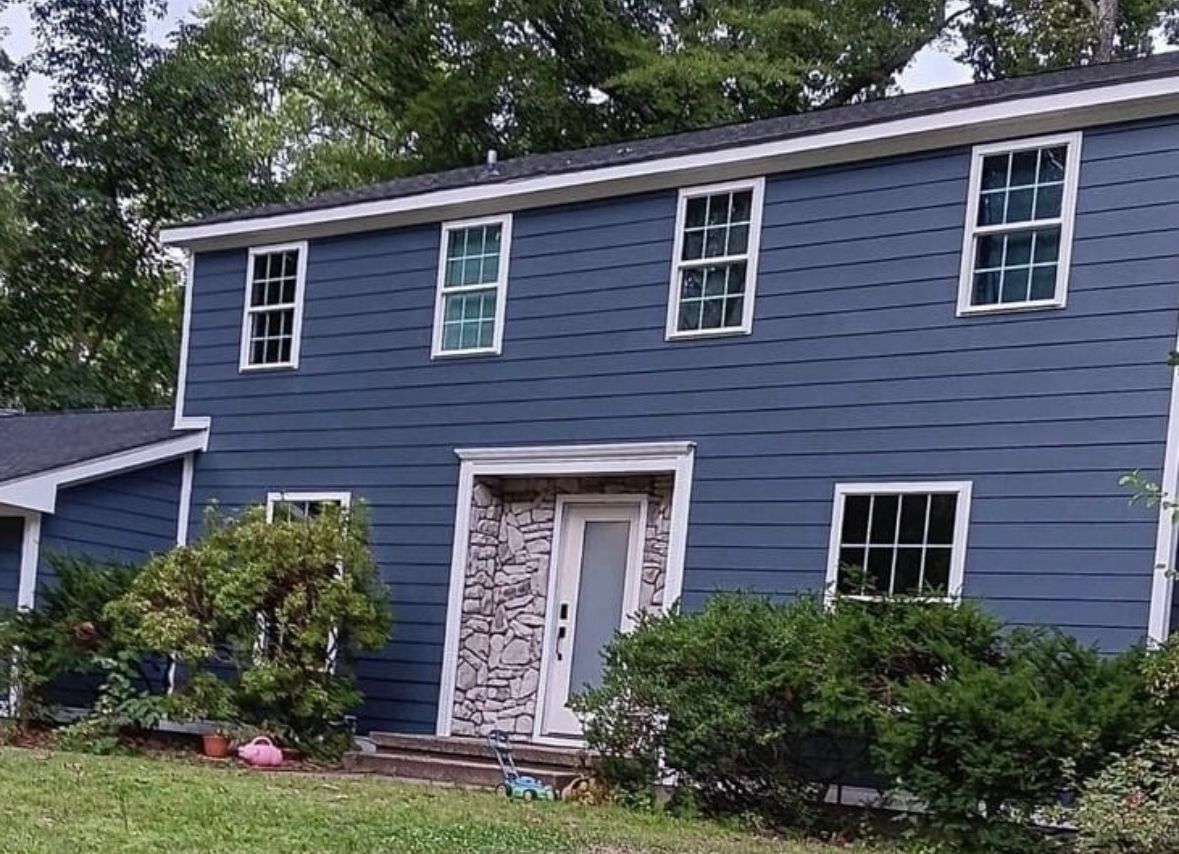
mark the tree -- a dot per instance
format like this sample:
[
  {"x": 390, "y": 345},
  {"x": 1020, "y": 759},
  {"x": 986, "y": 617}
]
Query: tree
[
  {"x": 1002, "y": 38},
  {"x": 88, "y": 300}
]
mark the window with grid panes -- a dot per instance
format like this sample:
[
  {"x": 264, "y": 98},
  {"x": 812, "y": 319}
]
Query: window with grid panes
[
  {"x": 712, "y": 281},
  {"x": 272, "y": 309},
  {"x": 471, "y": 282},
  {"x": 1021, "y": 226},
  {"x": 897, "y": 544},
  {"x": 299, "y": 508}
]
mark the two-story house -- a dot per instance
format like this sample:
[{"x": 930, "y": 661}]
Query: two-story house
[{"x": 923, "y": 336}]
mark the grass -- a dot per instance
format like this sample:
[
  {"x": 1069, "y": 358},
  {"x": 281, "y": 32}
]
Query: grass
[{"x": 54, "y": 802}]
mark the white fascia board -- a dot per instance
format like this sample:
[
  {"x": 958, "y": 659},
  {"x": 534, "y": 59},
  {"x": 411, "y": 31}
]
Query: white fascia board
[
  {"x": 38, "y": 492},
  {"x": 967, "y": 125}
]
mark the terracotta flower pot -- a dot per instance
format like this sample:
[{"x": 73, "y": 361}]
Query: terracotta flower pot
[{"x": 216, "y": 745}]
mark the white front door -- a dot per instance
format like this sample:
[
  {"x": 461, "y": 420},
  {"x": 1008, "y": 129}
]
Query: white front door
[{"x": 597, "y": 573}]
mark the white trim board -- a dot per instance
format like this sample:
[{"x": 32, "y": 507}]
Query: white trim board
[
  {"x": 1162, "y": 584},
  {"x": 1065, "y": 222},
  {"x": 296, "y": 308},
  {"x": 964, "y": 490},
  {"x": 757, "y": 188},
  {"x": 39, "y": 491},
  {"x": 1037, "y": 114},
  {"x": 675, "y": 458},
  {"x": 500, "y": 286}
]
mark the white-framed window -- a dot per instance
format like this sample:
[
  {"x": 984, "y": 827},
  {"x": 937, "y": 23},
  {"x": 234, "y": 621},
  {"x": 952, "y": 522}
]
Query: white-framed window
[
  {"x": 272, "y": 320},
  {"x": 714, "y": 265},
  {"x": 1019, "y": 224},
  {"x": 899, "y": 539},
  {"x": 294, "y": 507},
  {"x": 472, "y": 287}
]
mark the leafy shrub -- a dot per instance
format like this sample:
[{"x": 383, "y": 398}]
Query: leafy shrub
[
  {"x": 1133, "y": 804},
  {"x": 67, "y": 636},
  {"x": 992, "y": 745},
  {"x": 276, "y": 608},
  {"x": 736, "y": 698}
]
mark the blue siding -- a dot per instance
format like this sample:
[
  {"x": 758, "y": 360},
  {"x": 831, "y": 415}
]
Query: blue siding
[
  {"x": 120, "y": 519},
  {"x": 857, "y": 369},
  {"x": 11, "y": 534}
]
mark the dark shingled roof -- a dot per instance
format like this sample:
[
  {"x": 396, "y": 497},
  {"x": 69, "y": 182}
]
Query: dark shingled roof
[
  {"x": 729, "y": 136},
  {"x": 37, "y": 442}
]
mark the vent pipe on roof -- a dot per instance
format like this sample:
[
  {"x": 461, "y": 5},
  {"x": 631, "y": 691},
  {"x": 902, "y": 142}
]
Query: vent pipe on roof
[{"x": 492, "y": 158}]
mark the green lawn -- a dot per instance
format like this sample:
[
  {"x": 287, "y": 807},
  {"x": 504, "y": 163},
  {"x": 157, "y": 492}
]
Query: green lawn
[{"x": 58, "y": 802}]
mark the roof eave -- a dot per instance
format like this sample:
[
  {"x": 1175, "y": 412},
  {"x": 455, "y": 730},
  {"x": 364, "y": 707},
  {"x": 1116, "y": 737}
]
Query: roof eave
[
  {"x": 1021, "y": 116},
  {"x": 37, "y": 492}
]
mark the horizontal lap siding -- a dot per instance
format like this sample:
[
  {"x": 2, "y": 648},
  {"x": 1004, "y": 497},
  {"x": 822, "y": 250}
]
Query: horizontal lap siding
[
  {"x": 120, "y": 519},
  {"x": 11, "y": 535},
  {"x": 857, "y": 369}
]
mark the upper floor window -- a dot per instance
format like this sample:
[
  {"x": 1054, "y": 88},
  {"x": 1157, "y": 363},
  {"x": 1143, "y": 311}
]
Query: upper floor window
[
  {"x": 714, "y": 268},
  {"x": 472, "y": 287},
  {"x": 899, "y": 539},
  {"x": 1019, "y": 224},
  {"x": 273, "y": 316}
]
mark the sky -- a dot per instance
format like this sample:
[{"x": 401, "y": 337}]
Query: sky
[{"x": 930, "y": 69}]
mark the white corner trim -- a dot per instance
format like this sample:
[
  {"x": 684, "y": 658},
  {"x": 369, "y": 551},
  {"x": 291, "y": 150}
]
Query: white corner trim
[
  {"x": 1066, "y": 222},
  {"x": 964, "y": 490},
  {"x": 749, "y": 257},
  {"x": 30, "y": 557},
  {"x": 185, "y": 334},
  {"x": 244, "y": 364},
  {"x": 674, "y": 458},
  {"x": 504, "y": 221},
  {"x": 1029, "y": 115},
  {"x": 184, "y": 508},
  {"x": 39, "y": 491},
  {"x": 1162, "y": 585}
]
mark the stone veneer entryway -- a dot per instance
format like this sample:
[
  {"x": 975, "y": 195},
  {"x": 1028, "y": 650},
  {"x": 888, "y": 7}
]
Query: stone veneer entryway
[{"x": 501, "y": 632}]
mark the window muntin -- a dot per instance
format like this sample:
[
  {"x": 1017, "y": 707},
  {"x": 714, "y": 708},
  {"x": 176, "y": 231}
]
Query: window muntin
[
  {"x": 296, "y": 507},
  {"x": 273, "y": 307},
  {"x": 1019, "y": 225},
  {"x": 714, "y": 270},
  {"x": 472, "y": 286},
  {"x": 899, "y": 540}
]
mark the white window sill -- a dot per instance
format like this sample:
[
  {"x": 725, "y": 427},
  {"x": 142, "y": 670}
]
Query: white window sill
[
  {"x": 1010, "y": 308},
  {"x": 708, "y": 333}
]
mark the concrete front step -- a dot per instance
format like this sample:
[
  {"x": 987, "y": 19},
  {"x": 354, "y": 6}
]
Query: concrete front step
[
  {"x": 475, "y": 749},
  {"x": 439, "y": 768}
]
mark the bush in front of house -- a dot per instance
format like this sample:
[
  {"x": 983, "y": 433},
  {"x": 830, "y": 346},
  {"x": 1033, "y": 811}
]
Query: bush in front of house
[
  {"x": 748, "y": 701},
  {"x": 277, "y": 609},
  {"x": 991, "y": 746},
  {"x": 66, "y": 639},
  {"x": 988, "y": 727}
]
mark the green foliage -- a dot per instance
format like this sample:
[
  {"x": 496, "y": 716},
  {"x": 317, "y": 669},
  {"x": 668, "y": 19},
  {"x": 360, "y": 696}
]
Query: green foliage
[
  {"x": 1007, "y": 736},
  {"x": 757, "y": 706},
  {"x": 89, "y": 307},
  {"x": 1133, "y": 804},
  {"x": 269, "y": 604},
  {"x": 67, "y": 634},
  {"x": 749, "y": 701}
]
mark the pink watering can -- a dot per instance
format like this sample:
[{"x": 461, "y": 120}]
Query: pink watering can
[{"x": 261, "y": 753}]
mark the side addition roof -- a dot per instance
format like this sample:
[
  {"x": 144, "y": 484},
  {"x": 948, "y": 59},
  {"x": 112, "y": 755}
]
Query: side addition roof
[{"x": 40, "y": 452}]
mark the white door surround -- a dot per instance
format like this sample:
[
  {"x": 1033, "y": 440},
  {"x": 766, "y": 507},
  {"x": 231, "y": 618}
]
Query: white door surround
[
  {"x": 669, "y": 458},
  {"x": 564, "y": 602}
]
